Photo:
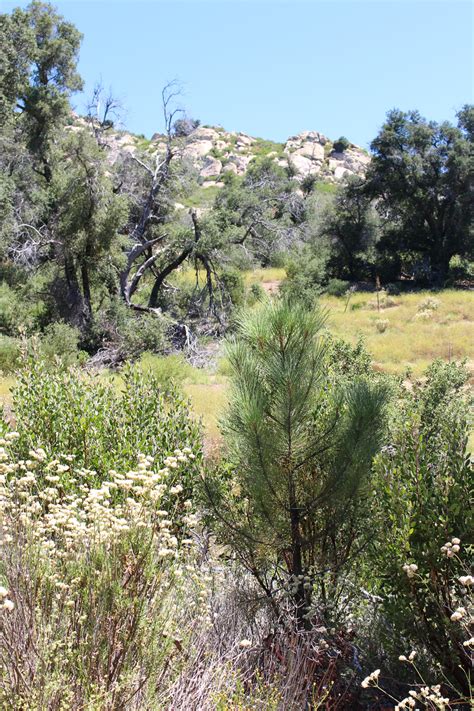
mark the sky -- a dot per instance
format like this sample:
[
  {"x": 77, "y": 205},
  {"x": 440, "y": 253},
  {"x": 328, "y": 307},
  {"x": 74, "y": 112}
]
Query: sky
[{"x": 273, "y": 68}]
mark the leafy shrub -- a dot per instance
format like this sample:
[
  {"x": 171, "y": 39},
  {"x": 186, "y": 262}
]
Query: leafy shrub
[
  {"x": 423, "y": 481},
  {"x": 9, "y": 354},
  {"x": 337, "y": 287},
  {"x": 185, "y": 126},
  {"x": 429, "y": 304},
  {"x": 233, "y": 283},
  {"x": 255, "y": 293},
  {"x": 21, "y": 309},
  {"x": 168, "y": 370},
  {"x": 93, "y": 572},
  {"x": 341, "y": 145},
  {"x": 460, "y": 268},
  {"x": 305, "y": 276},
  {"x": 381, "y": 325},
  {"x": 102, "y": 423},
  {"x": 62, "y": 340}
]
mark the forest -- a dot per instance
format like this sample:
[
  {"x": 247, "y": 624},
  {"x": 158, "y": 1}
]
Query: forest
[{"x": 307, "y": 543}]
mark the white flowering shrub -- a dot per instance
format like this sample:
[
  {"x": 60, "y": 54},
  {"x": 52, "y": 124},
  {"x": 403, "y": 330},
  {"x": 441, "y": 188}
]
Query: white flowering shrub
[
  {"x": 421, "y": 511},
  {"x": 89, "y": 577},
  {"x": 425, "y": 695}
]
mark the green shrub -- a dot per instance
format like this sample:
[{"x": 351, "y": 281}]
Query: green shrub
[
  {"x": 102, "y": 423},
  {"x": 341, "y": 145},
  {"x": 255, "y": 293},
  {"x": 168, "y": 370},
  {"x": 423, "y": 484},
  {"x": 460, "y": 268},
  {"x": 9, "y": 354},
  {"x": 337, "y": 287},
  {"x": 233, "y": 283},
  {"x": 62, "y": 340}
]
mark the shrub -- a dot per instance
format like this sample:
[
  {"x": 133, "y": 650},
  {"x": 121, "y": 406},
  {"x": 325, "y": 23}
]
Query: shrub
[
  {"x": 9, "y": 354},
  {"x": 382, "y": 301},
  {"x": 341, "y": 145},
  {"x": 233, "y": 283},
  {"x": 255, "y": 293},
  {"x": 88, "y": 579},
  {"x": 381, "y": 325},
  {"x": 102, "y": 423},
  {"x": 423, "y": 481},
  {"x": 460, "y": 268},
  {"x": 169, "y": 371},
  {"x": 61, "y": 340},
  {"x": 424, "y": 315},
  {"x": 337, "y": 287},
  {"x": 429, "y": 304}
]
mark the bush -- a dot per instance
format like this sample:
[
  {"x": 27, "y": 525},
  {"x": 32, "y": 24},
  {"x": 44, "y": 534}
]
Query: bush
[
  {"x": 101, "y": 422},
  {"x": 92, "y": 572},
  {"x": 423, "y": 481},
  {"x": 233, "y": 283},
  {"x": 61, "y": 340},
  {"x": 341, "y": 145},
  {"x": 429, "y": 304},
  {"x": 129, "y": 332},
  {"x": 460, "y": 269},
  {"x": 169, "y": 371},
  {"x": 337, "y": 287},
  {"x": 255, "y": 293},
  {"x": 381, "y": 325},
  {"x": 9, "y": 354}
]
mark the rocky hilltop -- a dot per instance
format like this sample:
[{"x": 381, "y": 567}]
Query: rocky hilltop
[{"x": 214, "y": 151}]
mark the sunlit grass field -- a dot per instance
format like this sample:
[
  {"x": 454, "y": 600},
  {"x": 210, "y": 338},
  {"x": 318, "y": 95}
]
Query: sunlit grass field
[{"x": 410, "y": 340}]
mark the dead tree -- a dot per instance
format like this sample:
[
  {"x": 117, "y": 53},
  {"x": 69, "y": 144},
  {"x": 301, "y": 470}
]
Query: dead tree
[{"x": 147, "y": 252}]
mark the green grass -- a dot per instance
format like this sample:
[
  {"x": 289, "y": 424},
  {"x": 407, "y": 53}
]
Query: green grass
[{"x": 202, "y": 197}]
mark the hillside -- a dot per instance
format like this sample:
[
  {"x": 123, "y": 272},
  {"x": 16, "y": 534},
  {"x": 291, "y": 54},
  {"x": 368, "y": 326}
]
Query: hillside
[{"x": 212, "y": 151}]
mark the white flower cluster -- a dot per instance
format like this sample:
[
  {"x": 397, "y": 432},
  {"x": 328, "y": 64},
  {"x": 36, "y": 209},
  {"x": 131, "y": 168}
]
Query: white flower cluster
[
  {"x": 429, "y": 696},
  {"x": 410, "y": 569},
  {"x": 5, "y": 603},
  {"x": 410, "y": 657},
  {"x": 451, "y": 547},
  {"x": 64, "y": 512},
  {"x": 371, "y": 680}
]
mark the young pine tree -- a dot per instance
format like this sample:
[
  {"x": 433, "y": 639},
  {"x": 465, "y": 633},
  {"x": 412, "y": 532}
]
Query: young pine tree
[{"x": 300, "y": 451}]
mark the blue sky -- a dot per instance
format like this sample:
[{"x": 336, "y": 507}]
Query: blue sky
[{"x": 273, "y": 68}]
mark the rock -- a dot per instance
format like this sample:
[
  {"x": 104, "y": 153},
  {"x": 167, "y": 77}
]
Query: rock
[
  {"x": 241, "y": 162},
  {"x": 304, "y": 166},
  {"x": 204, "y": 134},
  {"x": 212, "y": 166},
  {"x": 198, "y": 149},
  {"x": 315, "y": 151},
  {"x": 244, "y": 139},
  {"x": 340, "y": 172},
  {"x": 212, "y": 184},
  {"x": 230, "y": 168}
]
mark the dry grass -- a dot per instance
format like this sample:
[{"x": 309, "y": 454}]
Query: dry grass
[{"x": 408, "y": 341}]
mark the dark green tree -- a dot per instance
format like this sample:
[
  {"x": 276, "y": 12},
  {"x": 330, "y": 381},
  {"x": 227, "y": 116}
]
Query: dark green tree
[
  {"x": 350, "y": 226},
  {"x": 421, "y": 176}
]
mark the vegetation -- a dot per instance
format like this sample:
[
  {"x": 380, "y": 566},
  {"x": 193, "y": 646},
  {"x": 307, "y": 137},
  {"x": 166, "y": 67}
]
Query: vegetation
[{"x": 311, "y": 546}]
